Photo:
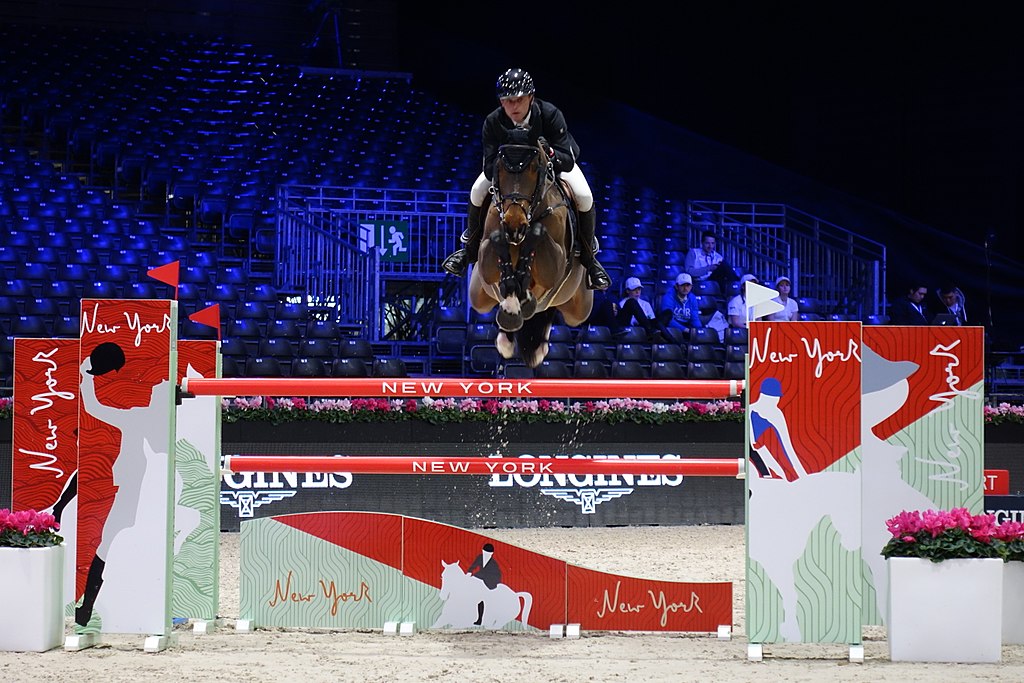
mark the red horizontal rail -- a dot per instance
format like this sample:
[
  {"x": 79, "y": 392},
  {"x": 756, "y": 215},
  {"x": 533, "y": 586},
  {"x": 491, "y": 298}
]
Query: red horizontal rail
[
  {"x": 694, "y": 467},
  {"x": 461, "y": 388}
]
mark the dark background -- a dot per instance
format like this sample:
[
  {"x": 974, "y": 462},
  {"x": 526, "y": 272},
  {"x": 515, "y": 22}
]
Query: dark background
[
  {"x": 904, "y": 117},
  {"x": 899, "y": 121},
  {"x": 915, "y": 107}
]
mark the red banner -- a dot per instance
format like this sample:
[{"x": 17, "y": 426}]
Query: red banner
[{"x": 45, "y": 440}]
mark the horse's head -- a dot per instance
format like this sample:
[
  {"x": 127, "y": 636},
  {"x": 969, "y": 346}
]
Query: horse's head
[
  {"x": 520, "y": 178},
  {"x": 449, "y": 572}
]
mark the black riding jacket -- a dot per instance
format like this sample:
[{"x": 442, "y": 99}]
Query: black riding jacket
[{"x": 546, "y": 120}]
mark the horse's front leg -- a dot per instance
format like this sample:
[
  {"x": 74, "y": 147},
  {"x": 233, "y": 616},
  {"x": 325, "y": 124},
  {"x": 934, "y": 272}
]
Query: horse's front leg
[
  {"x": 524, "y": 269},
  {"x": 509, "y": 316}
]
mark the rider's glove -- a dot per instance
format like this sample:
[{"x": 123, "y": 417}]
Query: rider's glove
[{"x": 548, "y": 149}]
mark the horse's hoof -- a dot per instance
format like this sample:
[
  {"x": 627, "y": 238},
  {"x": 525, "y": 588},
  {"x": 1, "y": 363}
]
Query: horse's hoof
[
  {"x": 537, "y": 357},
  {"x": 528, "y": 306},
  {"x": 510, "y": 322},
  {"x": 506, "y": 345}
]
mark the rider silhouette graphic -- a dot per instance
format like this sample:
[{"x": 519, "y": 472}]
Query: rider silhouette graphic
[{"x": 487, "y": 570}]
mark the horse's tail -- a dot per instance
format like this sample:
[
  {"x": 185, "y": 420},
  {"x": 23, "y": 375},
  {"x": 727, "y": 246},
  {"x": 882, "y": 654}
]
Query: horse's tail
[{"x": 527, "y": 598}]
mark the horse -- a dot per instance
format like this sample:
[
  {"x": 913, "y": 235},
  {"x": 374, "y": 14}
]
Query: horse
[
  {"x": 462, "y": 592},
  {"x": 526, "y": 264}
]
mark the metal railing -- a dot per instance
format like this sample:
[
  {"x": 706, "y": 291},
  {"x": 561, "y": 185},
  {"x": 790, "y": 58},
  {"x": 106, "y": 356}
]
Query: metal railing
[
  {"x": 843, "y": 270},
  {"x": 335, "y": 248}
]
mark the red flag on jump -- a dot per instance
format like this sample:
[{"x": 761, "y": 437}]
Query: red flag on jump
[
  {"x": 209, "y": 316},
  {"x": 167, "y": 273}
]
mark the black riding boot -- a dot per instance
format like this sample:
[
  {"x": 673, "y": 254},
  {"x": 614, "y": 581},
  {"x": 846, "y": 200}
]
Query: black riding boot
[
  {"x": 93, "y": 581},
  {"x": 597, "y": 276},
  {"x": 456, "y": 263},
  {"x": 479, "y": 614}
]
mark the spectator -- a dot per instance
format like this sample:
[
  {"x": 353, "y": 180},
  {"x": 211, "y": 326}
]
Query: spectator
[
  {"x": 632, "y": 310},
  {"x": 681, "y": 304},
  {"x": 737, "y": 308},
  {"x": 910, "y": 309},
  {"x": 954, "y": 303},
  {"x": 790, "y": 311},
  {"x": 705, "y": 263}
]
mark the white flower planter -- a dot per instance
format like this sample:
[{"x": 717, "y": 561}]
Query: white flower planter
[
  {"x": 32, "y": 595},
  {"x": 1013, "y": 603},
  {"x": 950, "y": 611}
]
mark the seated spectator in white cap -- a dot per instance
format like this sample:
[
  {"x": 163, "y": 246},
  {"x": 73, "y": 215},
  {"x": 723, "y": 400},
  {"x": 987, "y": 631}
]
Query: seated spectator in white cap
[
  {"x": 635, "y": 310},
  {"x": 790, "y": 311},
  {"x": 737, "y": 308},
  {"x": 679, "y": 305}
]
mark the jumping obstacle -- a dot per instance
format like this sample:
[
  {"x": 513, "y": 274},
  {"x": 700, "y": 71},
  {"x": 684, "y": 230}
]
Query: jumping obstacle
[
  {"x": 461, "y": 388},
  {"x": 382, "y": 464},
  {"x": 573, "y": 597}
]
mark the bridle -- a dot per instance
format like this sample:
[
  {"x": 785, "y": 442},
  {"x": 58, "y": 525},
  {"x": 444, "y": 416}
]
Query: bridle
[{"x": 515, "y": 159}]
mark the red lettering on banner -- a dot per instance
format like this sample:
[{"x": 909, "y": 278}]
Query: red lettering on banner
[
  {"x": 331, "y": 593},
  {"x": 285, "y": 594}
]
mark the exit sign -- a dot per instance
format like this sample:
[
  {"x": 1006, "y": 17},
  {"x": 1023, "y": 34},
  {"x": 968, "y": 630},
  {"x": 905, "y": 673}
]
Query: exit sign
[{"x": 389, "y": 238}]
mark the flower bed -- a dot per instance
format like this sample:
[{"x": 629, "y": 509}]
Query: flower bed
[
  {"x": 442, "y": 411},
  {"x": 449, "y": 410}
]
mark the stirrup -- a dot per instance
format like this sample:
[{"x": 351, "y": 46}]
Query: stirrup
[
  {"x": 455, "y": 263},
  {"x": 598, "y": 278}
]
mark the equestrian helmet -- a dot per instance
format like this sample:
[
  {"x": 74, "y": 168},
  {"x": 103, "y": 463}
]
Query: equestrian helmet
[{"x": 515, "y": 83}]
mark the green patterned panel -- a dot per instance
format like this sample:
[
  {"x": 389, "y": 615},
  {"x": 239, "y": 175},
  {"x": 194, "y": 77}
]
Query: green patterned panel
[
  {"x": 196, "y": 570},
  {"x": 828, "y": 582},
  {"x": 292, "y": 579},
  {"x": 763, "y": 606},
  {"x": 945, "y": 457}
]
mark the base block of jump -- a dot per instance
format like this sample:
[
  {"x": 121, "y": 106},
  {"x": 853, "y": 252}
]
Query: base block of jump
[
  {"x": 724, "y": 632},
  {"x": 81, "y": 641},
  {"x": 159, "y": 643},
  {"x": 572, "y": 631},
  {"x": 245, "y": 626},
  {"x": 391, "y": 628},
  {"x": 755, "y": 652},
  {"x": 407, "y": 628},
  {"x": 204, "y": 626},
  {"x": 857, "y": 654},
  {"x": 556, "y": 631}
]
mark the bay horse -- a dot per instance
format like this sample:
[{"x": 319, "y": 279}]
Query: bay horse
[{"x": 526, "y": 264}]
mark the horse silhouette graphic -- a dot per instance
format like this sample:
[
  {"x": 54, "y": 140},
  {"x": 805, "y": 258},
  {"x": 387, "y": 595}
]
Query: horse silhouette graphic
[{"x": 462, "y": 593}]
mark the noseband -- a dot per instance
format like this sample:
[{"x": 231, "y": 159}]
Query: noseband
[{"x": 515, "y": 159}]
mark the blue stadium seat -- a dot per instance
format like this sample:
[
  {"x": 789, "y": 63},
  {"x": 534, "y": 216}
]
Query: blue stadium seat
[
  {"x": 316, "y": 348},
  {"x": 286, "y": 328},
  {"x": 389, "y": 367},
  {"x": 66, "y": 326},
  {"x": 349, "y": 367},
  {"x": 667, "y": 370},
  {"x": 323, "y": 329},
  {"x": 307, "y": 366},
  {"x": 276, "y": 347},
  {"x": 589, "y": 369},
  {"x": 628, "y": 369},
  {"x": 553, "y": 369},
  {"x": 702, "y": 370},
  {"x": 263, "y": 367}
]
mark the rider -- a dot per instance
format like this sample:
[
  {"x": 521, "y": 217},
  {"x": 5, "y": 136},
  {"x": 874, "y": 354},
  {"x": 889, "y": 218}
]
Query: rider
[{"x": 521, "y": 109}]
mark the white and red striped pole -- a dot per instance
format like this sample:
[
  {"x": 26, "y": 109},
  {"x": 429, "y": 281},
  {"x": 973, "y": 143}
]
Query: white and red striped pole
[
  {"x": 406, "y": 387},
  {"x": 694, "y": 467}
]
